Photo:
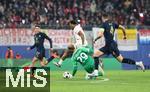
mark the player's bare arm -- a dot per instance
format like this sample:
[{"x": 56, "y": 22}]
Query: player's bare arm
[
  {"x": 82, "y": 36},
  {"x": 123, "y": 30},
  {"x": 100, "y": 34}
]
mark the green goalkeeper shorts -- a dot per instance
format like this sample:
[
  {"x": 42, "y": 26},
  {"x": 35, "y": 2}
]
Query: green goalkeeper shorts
[{"x": 89, "y": 66}]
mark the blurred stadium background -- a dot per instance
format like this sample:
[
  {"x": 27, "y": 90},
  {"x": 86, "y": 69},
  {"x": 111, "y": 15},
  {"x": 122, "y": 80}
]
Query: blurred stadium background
[{"x": 17, "y": 17}]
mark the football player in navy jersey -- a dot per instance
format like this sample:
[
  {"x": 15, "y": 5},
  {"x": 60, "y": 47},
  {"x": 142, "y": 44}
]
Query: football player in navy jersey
[
  {"x": 39, "y": 38},
  {"x": 107, "y": 30}
]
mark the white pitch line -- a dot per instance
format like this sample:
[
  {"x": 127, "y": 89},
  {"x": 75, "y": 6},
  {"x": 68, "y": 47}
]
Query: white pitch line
[
  {"x": 80, "y": 81},
  {"x": 99, "y": 81}
]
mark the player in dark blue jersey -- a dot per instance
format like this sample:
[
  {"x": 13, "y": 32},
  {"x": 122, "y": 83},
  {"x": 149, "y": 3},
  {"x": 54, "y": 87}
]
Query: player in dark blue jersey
[
  {"x": 39, "y": 38},
  {"x": 107, "y": 30}
]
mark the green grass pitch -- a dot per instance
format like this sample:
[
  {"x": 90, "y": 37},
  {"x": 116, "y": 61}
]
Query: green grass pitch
[{"x": 115, "y": 81}]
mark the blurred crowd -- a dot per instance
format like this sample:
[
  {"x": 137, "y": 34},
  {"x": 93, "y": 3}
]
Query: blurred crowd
[{"x": 50, "y": 13}]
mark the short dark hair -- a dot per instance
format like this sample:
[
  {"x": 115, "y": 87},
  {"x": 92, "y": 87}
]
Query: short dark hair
[
  {"x": 9, "y": 47},
  {"x": 71, "y": 47},
  {"x": 73, "y": 22},
  {"x": 105, "y": 15}
]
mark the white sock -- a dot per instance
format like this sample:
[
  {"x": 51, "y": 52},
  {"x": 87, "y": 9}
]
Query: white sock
[
  {"x": 137, "y": 63},
  {"x": 101, "y": 70},
  {"x": 89, "y": 74},
  {"x": 60, "y": 61},
  {"x": 96, "y": 72}
]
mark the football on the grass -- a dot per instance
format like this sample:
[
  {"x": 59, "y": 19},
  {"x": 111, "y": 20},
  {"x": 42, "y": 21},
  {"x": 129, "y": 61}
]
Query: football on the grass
[{"x": 67, "y": 75}]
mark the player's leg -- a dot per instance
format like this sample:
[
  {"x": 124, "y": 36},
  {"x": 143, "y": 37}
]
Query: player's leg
[
  {"x": 96, "y": 55},
  {"x": 38, "y": 56},
  {"x": 121, "y": 59},
  {"x": 67, "y": 53},
  {"x": 63, "y": 57},
  {"x": 116, "y": 53},
  {"x": 49, "y": 60},
  {"x": 33, "y": 71},
  {"x": 41, "y": 57},
  {"x": 32, "y": 66},
  {"x": 42, "y": 63},
  {"x": 89, "y": 69},
  {"x": 33, "y": 61},
  {"x": 101, "y": 63},
  {"x": 98, "y": 69},
  {"x": 54, "y": 54}
]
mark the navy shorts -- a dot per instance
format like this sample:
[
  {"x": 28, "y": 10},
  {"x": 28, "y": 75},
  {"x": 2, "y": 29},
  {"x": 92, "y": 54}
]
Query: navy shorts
[
  {"x": 40, "y": 54},
  {"x": 111, "y": 48}
]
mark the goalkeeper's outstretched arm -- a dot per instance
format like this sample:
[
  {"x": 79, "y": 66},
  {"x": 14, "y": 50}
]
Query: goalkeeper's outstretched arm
[{"x": 75, "y": 67}]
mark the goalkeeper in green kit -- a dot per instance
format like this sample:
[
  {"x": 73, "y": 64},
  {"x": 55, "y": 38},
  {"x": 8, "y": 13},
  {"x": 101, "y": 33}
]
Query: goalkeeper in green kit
[{"x": 83, "y": 55}]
